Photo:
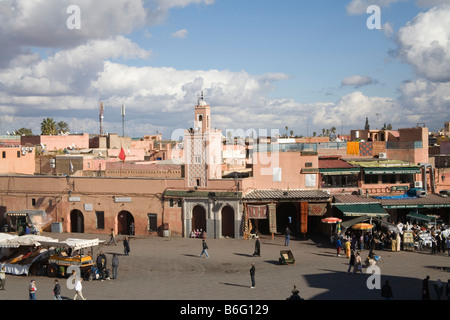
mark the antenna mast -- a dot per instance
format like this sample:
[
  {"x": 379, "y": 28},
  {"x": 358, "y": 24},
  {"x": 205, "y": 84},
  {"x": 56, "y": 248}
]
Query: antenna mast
[{"x": 102, "y": 109}]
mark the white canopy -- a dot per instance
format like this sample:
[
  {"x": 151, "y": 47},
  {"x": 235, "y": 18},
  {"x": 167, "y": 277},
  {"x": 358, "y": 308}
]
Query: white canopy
[
  {"x": 25, "y": 240},
  {"x": 73, "y": 243}
]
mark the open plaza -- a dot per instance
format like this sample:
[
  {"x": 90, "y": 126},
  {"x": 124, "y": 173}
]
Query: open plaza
[{"x": 171, "y": 268}]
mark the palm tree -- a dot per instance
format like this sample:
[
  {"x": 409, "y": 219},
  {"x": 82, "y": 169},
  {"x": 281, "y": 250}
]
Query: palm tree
[
  {"x": 63, "y": 127},
  {"x": 23, "y": 132},
  {"x": 48, "y": 126}
]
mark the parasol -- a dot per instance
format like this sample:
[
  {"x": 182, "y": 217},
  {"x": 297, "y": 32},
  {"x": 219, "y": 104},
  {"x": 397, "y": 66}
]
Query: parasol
[
  {"x": 362, "y": 226},
  {"x": 331, "y": 220}
]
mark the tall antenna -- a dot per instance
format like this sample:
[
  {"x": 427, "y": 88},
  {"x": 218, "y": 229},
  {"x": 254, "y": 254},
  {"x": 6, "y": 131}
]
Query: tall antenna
[
  {"x": 102, "y": 109},
  {"x": 123, "y": 120}
]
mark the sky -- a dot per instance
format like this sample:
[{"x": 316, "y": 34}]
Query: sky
[{"x": 261, "y": 65}]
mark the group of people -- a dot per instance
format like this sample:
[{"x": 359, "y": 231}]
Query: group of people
[
  {"x": 441, "y": 289},
  {"x": 197, "y": 234}
]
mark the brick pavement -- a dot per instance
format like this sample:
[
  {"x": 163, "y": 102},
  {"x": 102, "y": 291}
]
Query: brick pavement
[{"x": 171, "y": 269}]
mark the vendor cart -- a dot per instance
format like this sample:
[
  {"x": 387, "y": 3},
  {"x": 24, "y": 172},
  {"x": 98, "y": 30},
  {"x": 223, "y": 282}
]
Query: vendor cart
[
  {"x": 286, "y": 257},
  {"x": 71, "y": 253},
  {"x": 408, "y": 240}
]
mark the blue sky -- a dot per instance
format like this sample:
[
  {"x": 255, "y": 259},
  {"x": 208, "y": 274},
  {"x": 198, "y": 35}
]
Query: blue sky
[{"x": 263, "y": 64}]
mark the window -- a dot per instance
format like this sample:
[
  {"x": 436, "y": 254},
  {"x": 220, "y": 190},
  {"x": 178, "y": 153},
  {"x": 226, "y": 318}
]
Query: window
[
  {"x": 198, "y": 159},
  {"x": 171, "y": 202},
  {"x": 342, "y": 181},
  {"x": 3, "y": 154},
  {"x": 179, "y": 203},
  {"x": 33, "y": 202},
  {"x": 388, "y": 178},
  {"x": 197, "y": 182},
  {"x": 18, "y": 154},
  {"x": 152, "y": 222},
  {"x": 100, "y": 219},
  {"x": 371, "y": 179}
]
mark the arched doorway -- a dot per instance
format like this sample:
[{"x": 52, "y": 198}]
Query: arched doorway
[
  {"x": 287, "y": 217},
  {"x": 199, "y": 218},
  {"x": 76, "y": 221},
  {"x": 228, "y": 222},
  {"x": 125, "y": 223}
]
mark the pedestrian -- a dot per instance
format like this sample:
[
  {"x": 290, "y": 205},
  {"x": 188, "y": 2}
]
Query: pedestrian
[
  {"x": 439, "y": 288},
  {"x": 338, "y": 246},
  {"x": 204, "y": 249},
  {"x": 252, "y": 275},
  {"x": 448, "y": 244},
  {"x": 57, "y": 291},
  {"x": 112, "y": 238},
  {"x": 126, "y": 246},
  {"x": 433, "y": 245},
  {"x": 351, "y": 263},
  {"x": 347, "y": 248},
  {"x": 257, "y": 247},
  {"x": 2, "y": 278},
  {"x": 425, "y": 289},
  {"x": 32, "y": 290},
  {"x": 78, "y": 289},
  {"x": 386, "y": 291},
  {"x": 358, "y": 265},
  {"x": 115, "y": 266},
  {"x": 132, "y": 228},
  {"x": 287, "y": 236}
]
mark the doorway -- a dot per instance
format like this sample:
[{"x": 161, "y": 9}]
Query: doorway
[
  {"x": 228, "y": 222},
  {"x": 76, "y": 221},
  {"x": 199, "y": 218},
  {"x": 125, "y": 223}
]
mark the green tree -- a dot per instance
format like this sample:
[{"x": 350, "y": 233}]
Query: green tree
[
  {"x": 48, "y": 126},
  {"x": 63, "y": 127},
  {"x": 23, "y": 132}
]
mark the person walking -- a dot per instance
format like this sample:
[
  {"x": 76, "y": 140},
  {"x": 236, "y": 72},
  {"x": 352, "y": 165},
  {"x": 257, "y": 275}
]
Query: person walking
[
  {"x": 347, "y": 248},
  {"x": 2, "y": 278},
  {"x": 126, "y": 246},
  {"x": 448, "y": 244},
  {"x": 32, "y": 290},
  {"x": 252, "y": 275},
  {"x": 57, "y": 291},
  {"x": 338, "y": 246},
  {"x": 115, "y": 266},
  {"x": 351, "y": 262},
  {"x": 386, "y": 291},
  {"x": 257, "y": 247},
  {"x": 204, "y": 249},
  {"x": 112, "y": 238},
  {"x": 358, "y": 264},
  {"x": 79, "y": 289},
  {"x": 425, "y": 289},
  {"x": 287, "y": 237}
]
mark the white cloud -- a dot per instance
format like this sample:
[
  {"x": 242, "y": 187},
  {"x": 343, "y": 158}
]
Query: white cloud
[
  {"x": 357, "y": 81},
  {"x": 180, "y": 34},
  {"x": 425, "y": 43},
  {"x": 356, "y": 7}
]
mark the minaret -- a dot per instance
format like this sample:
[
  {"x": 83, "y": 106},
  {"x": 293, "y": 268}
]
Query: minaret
[{"x": 202, "y": 116}]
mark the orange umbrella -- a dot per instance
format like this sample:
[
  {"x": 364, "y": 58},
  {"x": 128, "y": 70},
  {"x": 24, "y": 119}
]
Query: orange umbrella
[
  {"x": 331, "y": 220},
  {"x": 362, "y": 226}
]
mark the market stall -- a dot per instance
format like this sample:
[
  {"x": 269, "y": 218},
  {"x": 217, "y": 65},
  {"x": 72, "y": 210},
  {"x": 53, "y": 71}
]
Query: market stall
[
  {"x": 35, "y": 220},
  {"x": 20, "y": 253}
]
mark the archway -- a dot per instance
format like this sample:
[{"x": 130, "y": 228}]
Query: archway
[
  {"x": 125, "y": 223},
  {"x": 228, "y": 222},
  {"x": 199, "y": 218},
  {"x": 287, "y": 217},
  {"x": 76, "y": 221}
]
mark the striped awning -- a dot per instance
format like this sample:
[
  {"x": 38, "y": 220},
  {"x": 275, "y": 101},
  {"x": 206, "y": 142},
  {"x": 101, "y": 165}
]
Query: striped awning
[{"x": 339, "y": 171}]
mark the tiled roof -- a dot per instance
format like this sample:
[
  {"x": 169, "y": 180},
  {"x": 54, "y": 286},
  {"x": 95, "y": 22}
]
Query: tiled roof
[
  {"x": 353, "y": 199},
  {"x": 287, "y": 194},
  {"x": 431, "y": 200},
  {"x": 333, "y": 163}
]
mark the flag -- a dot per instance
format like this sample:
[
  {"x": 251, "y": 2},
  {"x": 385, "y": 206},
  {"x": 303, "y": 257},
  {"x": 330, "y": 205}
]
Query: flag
[
  {"x": 71, "y": 166},
  {"x": 122, "y": 154}
]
